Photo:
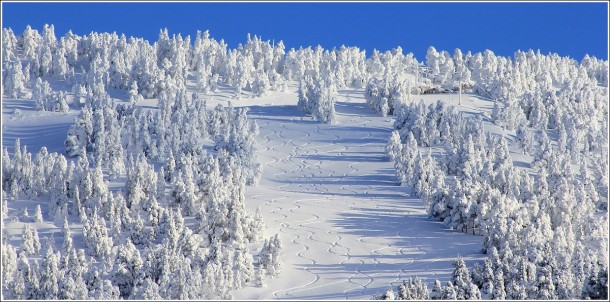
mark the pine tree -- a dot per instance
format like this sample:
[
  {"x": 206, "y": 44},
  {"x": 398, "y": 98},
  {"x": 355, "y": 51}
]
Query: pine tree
[
  {"x": 15, "y": 289},
  {"x": 148, "y": 290},
  {"x": 437, "y": 291},
  {"x": 596, "y": 284},
  {"x": 261, "y": 84},
  {"x": 38, "y": 214},
  {"x": 388, "y": 295},
  {"x": 32, "y": 287},
  {"x": 449, "y": 292},
  {"x": 473, "y": 292},
  {"x": 269, "y": 257},
  {"x": 40, "y": 93},
  {"x": 257, "y": 226},
  {"x": 461, "y": 279},
  {"x": 394, "y": 146},
  {"x": 27, "y": 240},
  {"x": 67, "y": 234},
  {"x": 9, "y": 260},
  {"x": 487, "y": 280},
  {"x": 544, "y": 282},
  {"x": 49, "y": 275},
  {"x": 25, "y": 216},
  {"x": 127, "y": 265},
  {"x": 243, "y": 268},
  {"x": 14, "y": 83},
  {"x": 259, "y": 280},
  {"x": 499, "y": 292}
]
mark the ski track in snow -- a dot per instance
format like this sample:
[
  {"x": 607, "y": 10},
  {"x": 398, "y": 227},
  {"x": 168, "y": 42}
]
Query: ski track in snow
[{"x": 349, "y": 230}]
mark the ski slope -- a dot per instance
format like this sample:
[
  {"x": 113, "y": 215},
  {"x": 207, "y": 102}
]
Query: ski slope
[{"x": 349, "y": 230}]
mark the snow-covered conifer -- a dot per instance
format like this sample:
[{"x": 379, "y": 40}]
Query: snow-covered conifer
[
  {"x": 259, "y": 278},
  {"x": 14, "y": 83},
  {"x": 449, "y": 292},
  {"x": 499, "y": 292},
  {"x": 260, "y": 84},
  {"x": 394, "y": 145},
  {"x": 269, "y": 257},
  {"x": 27, "y": 240},
  {"x": 147, "y": 290},
  {"x": 49, "y": 274},
  {"x": 437, "y": 291},
  {"x": 37, "y": 214},
  {"x": 41, "y": 93},
  {"x": 257, "y": 226},
  {"x": 25, "y": 216},
  {"x": 127, "y": 265},
  {"x": 461, "y": 279}
]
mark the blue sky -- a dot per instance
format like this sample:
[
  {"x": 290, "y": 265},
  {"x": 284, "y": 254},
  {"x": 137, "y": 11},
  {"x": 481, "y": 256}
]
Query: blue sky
[{"x": 569, "y": 29}]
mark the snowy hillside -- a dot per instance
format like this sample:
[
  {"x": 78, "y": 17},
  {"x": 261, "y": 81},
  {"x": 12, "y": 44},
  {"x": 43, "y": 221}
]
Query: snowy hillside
[{"x": 187, "y": 170}]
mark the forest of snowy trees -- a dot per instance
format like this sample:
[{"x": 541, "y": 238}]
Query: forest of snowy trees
[
  {"x": 546, "y": 233},
  {"x": 137, "y": 243},
  {"x": 178, "y": 228}
]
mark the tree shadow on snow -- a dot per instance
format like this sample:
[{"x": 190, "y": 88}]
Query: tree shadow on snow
[
  {"x": 357, "y": 141},
  {"x": 348, "y": 194},
  {"x": 359, "y": 109},
  {"x": 335, "y": 181},
  {"x": 364, "y": 129},
  {"x": 10, "y": 105},
  {"x": 303, "y": 121},
  {"x": 275, "y": 110},
  {"x": 350, "y": 158},
  {"x": 410, "y": 229},
  {"x": 35, "y": 137}
]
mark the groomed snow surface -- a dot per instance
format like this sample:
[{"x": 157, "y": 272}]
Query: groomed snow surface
[{"x": 349, "y": 230}]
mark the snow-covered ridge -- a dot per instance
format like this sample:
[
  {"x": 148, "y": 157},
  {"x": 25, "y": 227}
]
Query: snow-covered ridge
[{"x": 186, "y": 170}]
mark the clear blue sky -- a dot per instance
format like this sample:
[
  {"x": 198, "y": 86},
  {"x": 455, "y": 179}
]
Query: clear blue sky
[{"x": 569, "y": 29}]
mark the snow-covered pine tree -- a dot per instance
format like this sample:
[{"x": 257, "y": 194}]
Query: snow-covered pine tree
[
  {"x": 394, "y": 145},
  {"x": 14, "y": 82},
  {"x": 269, "y": 257}
]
